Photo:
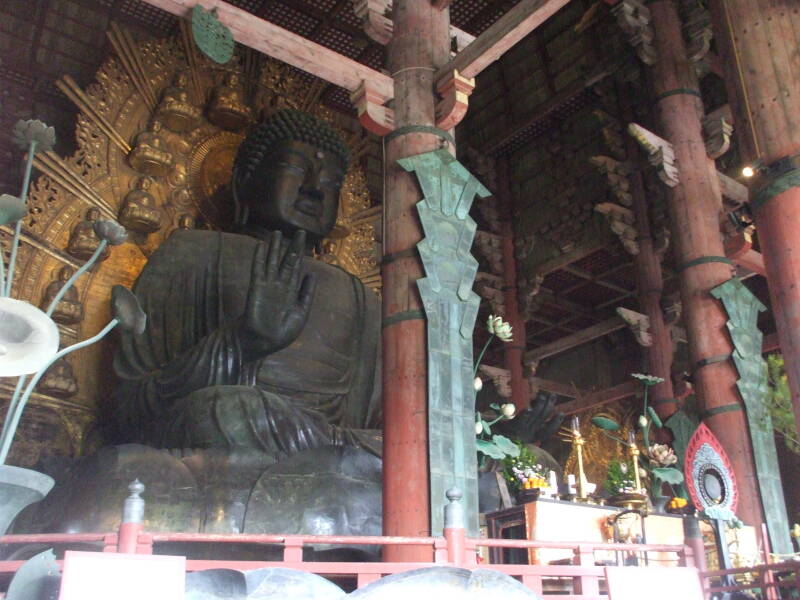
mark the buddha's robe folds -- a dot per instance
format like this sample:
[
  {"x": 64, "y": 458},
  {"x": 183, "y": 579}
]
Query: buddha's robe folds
[{"x": 184, "y": 383}]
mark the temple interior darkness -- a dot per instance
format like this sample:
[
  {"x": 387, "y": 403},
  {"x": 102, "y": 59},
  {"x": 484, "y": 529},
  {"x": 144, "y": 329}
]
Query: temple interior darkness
[{"x": 364, "y": 235}]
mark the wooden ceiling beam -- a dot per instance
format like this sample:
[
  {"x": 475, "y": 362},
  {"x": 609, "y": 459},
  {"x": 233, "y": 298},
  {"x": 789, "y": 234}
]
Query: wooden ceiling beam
[
  {"x": 575, "y": 339},
  {"x": 289, "y": 47},
  {"x": 501, "y": 36},
  {"x": 600, "y": 397}
]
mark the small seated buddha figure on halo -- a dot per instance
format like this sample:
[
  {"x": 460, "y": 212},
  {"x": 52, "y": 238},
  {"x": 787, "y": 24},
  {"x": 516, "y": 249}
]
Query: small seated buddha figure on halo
[
  {"x": 83, "y": 241},
  {"x": 59, "y": 380},
  {"x": 175, "y": 110},
  {"x": 139, "y": 211},
  {"x": 69, "y": 309},
  {"x": 227, "y": 108},
  {"x": 150, "y": 154}
]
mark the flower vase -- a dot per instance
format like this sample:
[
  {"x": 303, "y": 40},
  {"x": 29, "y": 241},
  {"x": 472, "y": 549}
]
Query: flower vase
[{"x": 20, "y": 488}]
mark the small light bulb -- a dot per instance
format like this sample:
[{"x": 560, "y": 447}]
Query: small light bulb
[{"x": 748, "y": 171}]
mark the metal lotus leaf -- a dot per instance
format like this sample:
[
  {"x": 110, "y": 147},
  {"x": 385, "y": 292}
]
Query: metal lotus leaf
[
  {"x": 605, "y": 423},
  {"x": 12, "y": 209},
  {"x": 127, "y": 311},
  {"x": 32, "y": 130},
  {"x": 110, "y": 231},
  {"x": 212, "y": 37}
]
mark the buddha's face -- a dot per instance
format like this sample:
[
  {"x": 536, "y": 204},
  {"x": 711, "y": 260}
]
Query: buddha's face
[{"x": 295, "y": 187}]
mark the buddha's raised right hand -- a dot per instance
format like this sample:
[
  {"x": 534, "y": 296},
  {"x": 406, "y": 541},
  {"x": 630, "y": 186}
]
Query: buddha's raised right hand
[{"x": 279, "y": 297}]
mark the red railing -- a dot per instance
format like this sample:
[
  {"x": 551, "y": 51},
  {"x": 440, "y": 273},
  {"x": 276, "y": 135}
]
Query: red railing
[
  {"x": 767, "y": 580},
  {"x": 581, "y": 580}
]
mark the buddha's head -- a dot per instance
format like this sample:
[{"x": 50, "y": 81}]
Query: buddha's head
[
  {"x": 232, "y": 79},
  {"x": 181, "y": 79},
  {"x": 144, "y": 183},
  {"x": 65, "y": 272},
  {"x": 93, "y": 214},
  {"x": 287, "y": 175}
]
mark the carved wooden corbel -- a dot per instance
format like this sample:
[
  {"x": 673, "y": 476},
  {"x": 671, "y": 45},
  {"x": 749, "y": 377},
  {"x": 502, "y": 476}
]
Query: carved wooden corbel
[
  {"x": 633, "y": 18},
  {"x": 490, "y": 288},
  {"x": 527, "y": 290},
  {"x": 697, "y": 29},
  {"x": 490, "y": 246},
  {"x": 455, "y": 91},
  {"x": 616, "y": 174},
  {"x": 612, "y": 133},
  {"x": 639, "y": 325},
  {"x": 374, "y": 19},
  {"x": 501, "y": 378},
  {"x": 659, "y": 151},
  {"x": 621, "y": 221},
  {"x": 718, "y": 128},
  {"x": 372, "y": 114}
]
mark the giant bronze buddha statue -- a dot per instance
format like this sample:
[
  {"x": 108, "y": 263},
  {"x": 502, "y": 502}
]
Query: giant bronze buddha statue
[{"x": 250, "y": 342}]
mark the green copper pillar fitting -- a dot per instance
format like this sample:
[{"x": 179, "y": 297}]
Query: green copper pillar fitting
[
  {"x": 743, "y": 309},
  {"x": 776, "y": 178},
  {"x": 451, "y": 308}
]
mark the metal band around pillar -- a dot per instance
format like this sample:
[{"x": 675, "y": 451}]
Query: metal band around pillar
[
  {"x": 406, "y": 315},
  {"x": 440, "y": 133},
  {"x": 704, "y": 362},
  {"x": 718, "y": 410},
  {"x": 677, "y": 92},
  {"x": 703, "y": 260},
  {"x": 778, "y": 185}
]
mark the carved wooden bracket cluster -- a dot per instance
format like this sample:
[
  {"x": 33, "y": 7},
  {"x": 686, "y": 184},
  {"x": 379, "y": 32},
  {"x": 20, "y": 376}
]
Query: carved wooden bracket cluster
[
  {"x": 501, "y": 378},
  {"x": 490, "y": 288},
  {"x": 639, "y": 325},
  {"x": 527, "y": 290},
  {"x": 372, "y": 114},
  {"x": 622, "y": 223},
  {"x": 633, "y": 18},
  {"x": 454, "y": 91},
  {"x": 659, "y": 153},
  {"x": 613, "y": 135},
  {"x": 616, "y": 173},
  {"x": 375, "y": 19},
  {"x": 696, "y": 29},
  {"x": 718, "y": 128},
  {"x": 490, "y": 246}
]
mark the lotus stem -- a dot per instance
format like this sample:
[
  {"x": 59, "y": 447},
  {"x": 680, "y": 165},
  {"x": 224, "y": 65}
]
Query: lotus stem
[
  {"x": 86, "y": 266},
  {"x": 646, "y": 428},
  {"x": 13, "y": 403},
  {"x": 8, "y": 432},
  {"x": 18, "y": 228},
  {"x": 480, "y": 356}
]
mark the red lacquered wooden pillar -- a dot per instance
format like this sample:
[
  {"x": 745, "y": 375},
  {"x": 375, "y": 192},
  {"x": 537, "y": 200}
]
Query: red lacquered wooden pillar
[
  {"x": 650, "y": 282},
  {"x": 758, "y": 43},
  {"x": 694, "y": 209},
  {"x": 420, "y": 45},
  {"x": 514, "y": 350}
]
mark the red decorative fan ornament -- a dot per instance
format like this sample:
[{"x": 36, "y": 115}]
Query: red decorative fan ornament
[{"x": 708, "y": 473}]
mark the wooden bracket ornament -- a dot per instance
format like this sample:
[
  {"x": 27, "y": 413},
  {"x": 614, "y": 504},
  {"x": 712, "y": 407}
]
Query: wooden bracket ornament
[
  {"x": 633, "y": 18},
  {"x": 490, "y": 246},
  {"x": 717, "y": 131},
  {"x": 697, "y": 29},
  {"x": 621, "y": 220},
  {"x": 501, "y": 378},
  {"x": 455, "y": 91},
  {"x": 616, "y": 173},
  {"x": 659, "y": 152},
  {"x": 639, "y": 325},
  {"x": 372, "y": 114},
  {"x": 490, "y": 288},
  {"x": 374, "y": 19},
  {"x": 527, "y": 290}
]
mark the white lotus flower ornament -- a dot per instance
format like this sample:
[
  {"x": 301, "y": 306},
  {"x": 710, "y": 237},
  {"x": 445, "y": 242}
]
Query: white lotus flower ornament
[{"x": 28, "y": 338}]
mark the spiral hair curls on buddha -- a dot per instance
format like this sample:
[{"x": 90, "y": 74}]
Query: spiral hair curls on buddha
[{"x": 285, "y": 125}]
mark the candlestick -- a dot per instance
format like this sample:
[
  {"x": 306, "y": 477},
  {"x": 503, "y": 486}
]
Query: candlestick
[{"x": 633, "y": 450}]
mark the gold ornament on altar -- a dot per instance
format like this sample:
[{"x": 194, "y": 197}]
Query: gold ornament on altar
[{"x": 157, "y": 134}]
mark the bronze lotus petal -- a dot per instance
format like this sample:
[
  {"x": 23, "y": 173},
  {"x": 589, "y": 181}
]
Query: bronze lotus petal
[
  {"x": 110, "y": 231},
  {"x": 27, "y": 131},
  {"x": 12, "y": 209},
  {"x": 126, "y": 310}
]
